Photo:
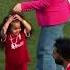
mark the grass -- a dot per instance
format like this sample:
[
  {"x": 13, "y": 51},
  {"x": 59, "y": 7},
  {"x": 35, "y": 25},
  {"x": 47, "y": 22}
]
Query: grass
[{"x": 5, "y": 6}]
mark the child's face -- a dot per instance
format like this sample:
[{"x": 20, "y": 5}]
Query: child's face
[{"x": 16, "y": 28}]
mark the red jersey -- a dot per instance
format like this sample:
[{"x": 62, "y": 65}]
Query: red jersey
[{"x": 16, "y": 48}]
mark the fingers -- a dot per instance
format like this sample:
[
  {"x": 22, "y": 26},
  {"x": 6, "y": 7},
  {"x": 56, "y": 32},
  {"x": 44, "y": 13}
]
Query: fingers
[
  {"x": 10, "y": 19},
  {"x": 18, "y": 17},
  {"x": 17, "y": 8}
]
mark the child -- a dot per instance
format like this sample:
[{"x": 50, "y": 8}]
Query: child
[
  {"x": 13, "y": 35},
  {"x": 51, "y": 16},
  {"x": 61, "y": 52}
]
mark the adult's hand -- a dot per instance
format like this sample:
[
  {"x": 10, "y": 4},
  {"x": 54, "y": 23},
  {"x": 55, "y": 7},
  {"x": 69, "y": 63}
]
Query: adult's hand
[{"x": 17, "y": 8}]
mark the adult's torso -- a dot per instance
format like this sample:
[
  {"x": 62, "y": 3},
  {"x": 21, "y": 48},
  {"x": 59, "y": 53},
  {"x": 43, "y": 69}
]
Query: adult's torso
[{"x": 57, "y": 12}]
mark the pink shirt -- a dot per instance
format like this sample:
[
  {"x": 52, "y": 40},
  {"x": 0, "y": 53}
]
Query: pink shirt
[{"x": 48, "y": 12}]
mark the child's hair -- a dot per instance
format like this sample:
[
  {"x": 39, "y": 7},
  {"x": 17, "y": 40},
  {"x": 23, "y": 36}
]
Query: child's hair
[
  {"x": 63, "y": 47},
  {"x": 5, "y": 20},
  {"x": 1, "y": 26}
]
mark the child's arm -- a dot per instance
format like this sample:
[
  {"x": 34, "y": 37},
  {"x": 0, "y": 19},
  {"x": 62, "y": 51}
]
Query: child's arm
[
  {"x": 25, "y": 23},
  {"x": 5, "y": 27},
  {"x": 27, "y": 28}
]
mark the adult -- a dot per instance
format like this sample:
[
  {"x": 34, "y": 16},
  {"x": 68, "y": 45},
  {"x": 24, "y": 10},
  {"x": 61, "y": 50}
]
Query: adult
[{"x": 51, "y": 16}]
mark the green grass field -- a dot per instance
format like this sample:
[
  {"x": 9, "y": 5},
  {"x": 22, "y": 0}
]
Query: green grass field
[{"x": 5, "y": 6}]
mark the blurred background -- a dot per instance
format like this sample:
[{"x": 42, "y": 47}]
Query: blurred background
[{"x": 5, "y": 7}]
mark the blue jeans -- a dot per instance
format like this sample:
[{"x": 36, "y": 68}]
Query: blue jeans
[{"x": 47, "y": 38}]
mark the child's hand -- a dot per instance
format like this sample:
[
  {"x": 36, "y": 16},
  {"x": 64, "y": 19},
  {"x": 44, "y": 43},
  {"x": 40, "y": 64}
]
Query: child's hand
[
  {"x": 18, "y": 17},
  {"x": 10, "y": 19}
]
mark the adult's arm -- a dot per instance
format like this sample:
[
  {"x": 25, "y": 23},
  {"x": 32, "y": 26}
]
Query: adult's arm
[
  {"x": 27, "y": 6},
  {"x": 38, "y": 4}
]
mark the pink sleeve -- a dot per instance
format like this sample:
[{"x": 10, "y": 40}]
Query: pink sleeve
[
  {"x": 39, "y": 4},
  {"x": 69, "y": 10},
  {"x": 68, "y": 4}
]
